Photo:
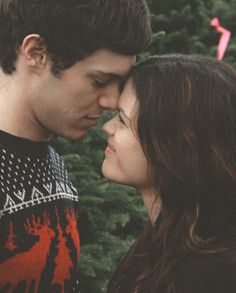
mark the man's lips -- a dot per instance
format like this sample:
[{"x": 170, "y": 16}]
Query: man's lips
[
  {"x": 93, "y": 117},
  {"x": 91, "y": 120}
]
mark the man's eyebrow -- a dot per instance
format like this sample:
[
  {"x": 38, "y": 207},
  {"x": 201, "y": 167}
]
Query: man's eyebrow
[{"x": 109, "y": 74}]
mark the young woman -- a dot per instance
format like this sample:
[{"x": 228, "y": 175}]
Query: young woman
[{"x": 174, "y": 139}]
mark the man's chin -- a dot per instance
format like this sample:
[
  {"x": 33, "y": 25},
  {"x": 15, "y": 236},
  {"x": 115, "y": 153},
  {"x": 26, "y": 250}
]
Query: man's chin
[{"x": 75, "y": 136}]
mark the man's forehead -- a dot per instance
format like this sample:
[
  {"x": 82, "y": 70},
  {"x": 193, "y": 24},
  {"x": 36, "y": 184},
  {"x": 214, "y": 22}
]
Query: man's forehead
[{"x": 110, "y": 62}]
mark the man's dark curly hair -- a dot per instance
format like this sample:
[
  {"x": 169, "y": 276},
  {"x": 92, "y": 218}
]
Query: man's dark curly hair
[{"x": 73, "y": 29}]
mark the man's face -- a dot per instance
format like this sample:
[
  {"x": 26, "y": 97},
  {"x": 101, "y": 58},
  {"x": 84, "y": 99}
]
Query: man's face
[{"x": 69, "y": 104}]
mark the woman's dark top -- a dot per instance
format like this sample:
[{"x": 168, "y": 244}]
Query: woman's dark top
[
  {"x": 210, "y": 273},
  {"x": 207, "y": 274}
]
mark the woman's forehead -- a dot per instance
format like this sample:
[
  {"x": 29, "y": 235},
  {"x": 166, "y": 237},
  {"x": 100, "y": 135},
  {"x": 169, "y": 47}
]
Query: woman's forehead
[{"x": 128, "y": 99}]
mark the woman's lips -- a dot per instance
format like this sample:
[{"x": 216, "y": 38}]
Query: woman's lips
[{"x": 109, "y": 149}]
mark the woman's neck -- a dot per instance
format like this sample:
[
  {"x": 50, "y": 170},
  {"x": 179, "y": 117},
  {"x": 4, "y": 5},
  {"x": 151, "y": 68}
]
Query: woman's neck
[{"x": 152, "y": 204}]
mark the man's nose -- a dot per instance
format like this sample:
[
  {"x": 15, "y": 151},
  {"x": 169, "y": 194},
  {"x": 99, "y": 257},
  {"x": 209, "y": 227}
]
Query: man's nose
[{"x": 109, "y": 99}]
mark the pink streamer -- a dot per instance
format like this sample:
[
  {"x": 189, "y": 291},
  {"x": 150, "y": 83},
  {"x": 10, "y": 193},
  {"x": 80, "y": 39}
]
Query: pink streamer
[{"x": 224, "y": 39}]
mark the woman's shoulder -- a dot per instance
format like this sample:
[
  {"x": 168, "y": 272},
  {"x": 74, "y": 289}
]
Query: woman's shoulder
[{"x": 207, "y": 273}]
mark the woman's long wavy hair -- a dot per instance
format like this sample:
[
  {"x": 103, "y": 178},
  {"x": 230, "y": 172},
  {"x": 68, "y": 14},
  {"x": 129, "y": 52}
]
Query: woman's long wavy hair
[{"x": 187, "y": 129}]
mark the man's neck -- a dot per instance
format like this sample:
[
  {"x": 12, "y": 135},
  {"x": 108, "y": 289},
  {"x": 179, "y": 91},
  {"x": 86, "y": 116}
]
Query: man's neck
[{"x": 15, "y": 115}]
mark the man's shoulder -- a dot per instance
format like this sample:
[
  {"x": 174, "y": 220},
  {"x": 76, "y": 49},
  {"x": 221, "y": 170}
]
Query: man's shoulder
[{"x": 55, "y": 157}]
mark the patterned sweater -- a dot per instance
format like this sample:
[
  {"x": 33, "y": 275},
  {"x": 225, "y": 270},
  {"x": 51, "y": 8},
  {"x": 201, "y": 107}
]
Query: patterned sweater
[{"x": 39, "y": 239}]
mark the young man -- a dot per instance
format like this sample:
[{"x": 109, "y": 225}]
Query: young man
[{"x": 62, "y": 62}]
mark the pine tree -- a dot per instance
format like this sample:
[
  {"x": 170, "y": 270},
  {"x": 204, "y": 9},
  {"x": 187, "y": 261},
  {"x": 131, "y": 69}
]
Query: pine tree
[{"x": 182, "y": 26}]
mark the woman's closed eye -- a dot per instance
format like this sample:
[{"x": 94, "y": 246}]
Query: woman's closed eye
[{"x": 120, "y": 119}]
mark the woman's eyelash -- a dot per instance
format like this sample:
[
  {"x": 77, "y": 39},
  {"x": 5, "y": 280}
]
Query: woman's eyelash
[{"x": 121, "y": 120}]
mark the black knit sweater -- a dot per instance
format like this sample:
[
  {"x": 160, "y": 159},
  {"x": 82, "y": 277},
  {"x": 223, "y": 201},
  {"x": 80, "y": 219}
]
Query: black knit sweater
[{"x": 39, "y": 239}]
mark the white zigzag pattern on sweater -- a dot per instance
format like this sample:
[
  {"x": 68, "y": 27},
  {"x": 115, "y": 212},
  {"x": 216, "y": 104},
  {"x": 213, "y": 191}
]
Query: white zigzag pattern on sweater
[{"x": 38, "y": 197}]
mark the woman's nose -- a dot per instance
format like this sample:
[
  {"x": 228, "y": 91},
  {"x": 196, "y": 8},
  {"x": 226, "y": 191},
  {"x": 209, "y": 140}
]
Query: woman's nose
[{"x": 109, "y": 127}]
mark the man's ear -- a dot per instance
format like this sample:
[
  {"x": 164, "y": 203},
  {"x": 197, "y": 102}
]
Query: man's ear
[{"x": 34, "y": 51}]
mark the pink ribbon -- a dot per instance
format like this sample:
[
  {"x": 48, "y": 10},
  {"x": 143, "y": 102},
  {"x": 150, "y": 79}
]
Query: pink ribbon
[{"x": 224, "y": 39}]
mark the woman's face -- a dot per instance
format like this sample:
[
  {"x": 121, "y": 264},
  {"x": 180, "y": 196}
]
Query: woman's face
[{"x": 125, "y": 161}]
